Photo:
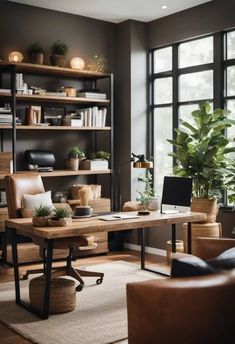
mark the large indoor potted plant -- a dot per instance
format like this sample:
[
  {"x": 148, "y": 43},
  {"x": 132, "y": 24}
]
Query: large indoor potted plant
[
  {"x": 202, "y": 153},
  {"x": 58, "y": 52},
  {"x": 35, "y": 53}
]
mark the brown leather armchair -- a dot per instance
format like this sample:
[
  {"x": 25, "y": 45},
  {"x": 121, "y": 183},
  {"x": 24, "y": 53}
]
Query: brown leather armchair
[
  {"x": 19, "y": 184},
  {"x": 189, "y": 310}
]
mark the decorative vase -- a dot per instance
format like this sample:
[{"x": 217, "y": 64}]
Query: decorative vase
[
  {"x": 154, "y": 204},
  {"x": 40, "y": 221},
  {"x": 72, "y": 164},
  {"x": 65, "y": 221},
  {"x": 57, "y": 60},
  {"x": 36, "y": 58},
  {"x": 205, "y": 205}
]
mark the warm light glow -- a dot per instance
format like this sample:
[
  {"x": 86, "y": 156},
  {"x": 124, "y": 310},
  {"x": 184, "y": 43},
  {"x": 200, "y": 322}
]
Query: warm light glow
[
  {"x": 77, "y": 63},
  {"x": 15, "y": 56},
  {"x": 164, "y": 7}
]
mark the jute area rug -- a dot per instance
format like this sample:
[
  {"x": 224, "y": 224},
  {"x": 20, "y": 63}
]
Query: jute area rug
[{"x": 100, "y": 316}]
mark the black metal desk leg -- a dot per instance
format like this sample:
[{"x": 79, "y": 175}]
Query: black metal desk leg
[
  {"x": 15, "y": 264},
  {"x": 189, "y": 237},
  {"x": 173, "y": 237},
  {"x": 49, "y": 257},
  {"x": 142, "y": 242}
]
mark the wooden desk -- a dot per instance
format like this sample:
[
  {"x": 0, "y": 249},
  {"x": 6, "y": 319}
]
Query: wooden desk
[{"x": 86, "y": 226}]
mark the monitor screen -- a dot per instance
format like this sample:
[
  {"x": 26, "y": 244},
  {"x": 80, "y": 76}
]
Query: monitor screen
[{"x": 177, "y": 191}]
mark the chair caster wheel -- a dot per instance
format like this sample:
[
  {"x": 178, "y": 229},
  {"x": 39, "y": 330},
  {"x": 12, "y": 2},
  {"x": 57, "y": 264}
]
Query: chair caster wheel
[
  {"x": 99, "y": 280},
  {"x": 25, "y": 277},
  {"x": 79, "y": 287}
]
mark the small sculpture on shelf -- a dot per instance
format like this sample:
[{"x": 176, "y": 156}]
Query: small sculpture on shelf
[
  {"x": 35, "y": 53},
  {"x": 58, "y": 52}
]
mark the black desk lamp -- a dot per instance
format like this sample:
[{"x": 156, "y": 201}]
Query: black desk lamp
[{"x": 139, "y": 161}]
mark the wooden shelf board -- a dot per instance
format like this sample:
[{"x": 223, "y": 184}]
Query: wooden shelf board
[
  {"x": 64, "y": 173},
  {"x": 50, "y": 127},
  {"x": 55, "y": 99},
  {"x": 57, "y": 71}
]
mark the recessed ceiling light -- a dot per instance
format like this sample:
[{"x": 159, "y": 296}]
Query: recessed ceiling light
[{"x": 164, "y": 7}]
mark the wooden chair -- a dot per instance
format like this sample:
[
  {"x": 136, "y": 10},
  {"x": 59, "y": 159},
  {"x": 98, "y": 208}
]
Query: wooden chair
[{"x": 19, "y": 184}]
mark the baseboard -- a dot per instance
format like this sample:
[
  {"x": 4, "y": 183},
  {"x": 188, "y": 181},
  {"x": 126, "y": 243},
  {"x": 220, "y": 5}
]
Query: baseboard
[{"x": 152, "y": 250}]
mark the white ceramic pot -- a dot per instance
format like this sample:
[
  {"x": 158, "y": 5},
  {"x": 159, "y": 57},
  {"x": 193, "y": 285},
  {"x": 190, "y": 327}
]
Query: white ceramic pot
[{"x": 154, "y": 204}]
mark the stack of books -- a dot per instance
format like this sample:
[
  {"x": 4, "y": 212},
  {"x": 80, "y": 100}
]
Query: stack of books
[
  {"x": 92, "y": 117},
  {"x": 91, "y": 95},
  {"x": 5, "y": 116}
]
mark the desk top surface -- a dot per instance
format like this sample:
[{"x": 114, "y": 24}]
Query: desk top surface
[{"x": 94, "y": 224}]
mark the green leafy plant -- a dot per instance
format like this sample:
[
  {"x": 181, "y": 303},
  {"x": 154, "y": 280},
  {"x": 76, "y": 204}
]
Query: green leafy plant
[
  {"x": 43, "y": 210},
  {"x": 102, "y": 155},
  {"x": 75, "y": 153},
  {"x": 59, "y": 48},
  {"x": 61, "y": 213},
  {"x": 201, "y": 151},
  {"x": 147, "y": 191},
  {"x": 35, "y": 48}
]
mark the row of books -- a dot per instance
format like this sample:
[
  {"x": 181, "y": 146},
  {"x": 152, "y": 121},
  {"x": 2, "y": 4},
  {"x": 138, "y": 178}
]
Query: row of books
[
  {"x": 90, "y": 95},
  {"x": 5, "y": 115},
  {"x": 89, "y": 117}
]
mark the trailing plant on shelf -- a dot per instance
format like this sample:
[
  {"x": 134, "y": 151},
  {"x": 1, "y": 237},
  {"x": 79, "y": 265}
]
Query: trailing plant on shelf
[
  {"x": 41, "y": 215},
  {"x": 35, "y": 53},
  {"x": 147, "y": 192},
  {"x": 58, "y": 51}
]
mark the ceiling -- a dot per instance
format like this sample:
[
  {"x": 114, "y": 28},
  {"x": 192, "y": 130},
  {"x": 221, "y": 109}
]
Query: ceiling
[{"x": 116, "y": 11}]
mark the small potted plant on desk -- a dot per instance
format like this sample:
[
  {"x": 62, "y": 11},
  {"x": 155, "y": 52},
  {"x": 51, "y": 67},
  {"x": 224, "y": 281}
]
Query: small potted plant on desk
[
  {"x": 147, "y": 198},
  {"x": 58, "y": 52},
  {"x": 35, "y": 53},
  {"x": 96, "y": 161},
  {"x": 61, "y": 216},
  {"x": 41, "y": 216},
  {"x": 74, "y": 155}
]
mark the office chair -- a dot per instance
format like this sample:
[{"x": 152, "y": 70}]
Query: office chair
[{"x": 19, "y": 184}]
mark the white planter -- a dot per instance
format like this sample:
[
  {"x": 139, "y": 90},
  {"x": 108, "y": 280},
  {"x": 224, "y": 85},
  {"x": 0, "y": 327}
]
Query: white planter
[{"x": 154, "y": 204}]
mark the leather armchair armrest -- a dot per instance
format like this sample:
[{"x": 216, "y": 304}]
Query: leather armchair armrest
[
  {"x": 185, "y": 310},
  {"x": 207, "y": 248}
]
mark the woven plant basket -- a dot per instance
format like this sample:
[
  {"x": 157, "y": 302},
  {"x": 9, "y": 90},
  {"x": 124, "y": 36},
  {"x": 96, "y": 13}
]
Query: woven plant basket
[
  {"x": 62, "y": 294},
  {"x": 60, "y": 222},
  {"x": 40, "y": 221},
  {"x": 179, "y": 248},
  {"x": 209, "y": 230},
  {"x": 205, "y": 205}
]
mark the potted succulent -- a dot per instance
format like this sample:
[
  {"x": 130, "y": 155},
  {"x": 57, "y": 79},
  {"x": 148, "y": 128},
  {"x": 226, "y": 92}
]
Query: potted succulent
[
  {"x": 201, "y": 152},
  {"x": 35, "y": 53},
  {"x": 147, "y": 197},
  {"x": 74, "y": 154},
  {"x": 96, "y": 161},
  {"x": 41, "y": 215},
  {"x": 61, "y": 216},
  {"x": 58, "y": 52}
]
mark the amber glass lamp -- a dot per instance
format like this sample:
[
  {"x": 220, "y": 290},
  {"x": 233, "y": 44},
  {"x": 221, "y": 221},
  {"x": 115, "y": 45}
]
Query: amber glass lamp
[
  {"x": 15, "y": 56},
  {"x": 77, "y": 63}
]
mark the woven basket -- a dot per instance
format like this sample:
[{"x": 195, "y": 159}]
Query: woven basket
[
  {"x": 40, "y": 221},
  {"x": 204, "y": 205},
  {"x": 179, "y": 248},
  {"x": 209, "y": 230},
  {"x": 60, "y": 222},
  {"x": 62, "y": 294}
]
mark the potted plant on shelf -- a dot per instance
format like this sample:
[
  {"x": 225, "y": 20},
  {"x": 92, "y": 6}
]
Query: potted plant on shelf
[
  {"x": 58, "y": 52},
  {"x": 35, "y": 53},
  {"x": 61, "y": 216},
  {"x": 97, "y": 161},
  {"x": 201, "y": 152},
  {"x": 74, "y": 155},
  {"x": 41, "y": 215},
  {"x": 147, "y": 195}
]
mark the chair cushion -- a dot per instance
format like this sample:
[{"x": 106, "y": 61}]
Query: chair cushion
[
  {"x": 34, "y": 201},
  {"x": 190, "y": 266},
  {"x": 224, "y": 261}
]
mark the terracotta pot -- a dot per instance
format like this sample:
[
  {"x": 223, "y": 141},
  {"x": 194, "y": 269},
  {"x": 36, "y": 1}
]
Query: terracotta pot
[
  {"x": 57, "y": 60},
  {"x": 40, "y": 221},
  {"x": 205, "y": 205},
  {"x": 72, "y": 164},
  {"x": 60, "y": 222},
  {"x": 36, "y": 58}
]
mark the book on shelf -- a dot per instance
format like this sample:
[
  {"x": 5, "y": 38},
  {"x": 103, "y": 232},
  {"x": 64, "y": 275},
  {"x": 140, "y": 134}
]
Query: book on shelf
[
  {"x": 5, "y": 90},
  {"x": 93, "y": 117},
  {"x": 6, "y": 115},
  {"x": 97, "y": 95},
  {"x": 55, "y": 94}
]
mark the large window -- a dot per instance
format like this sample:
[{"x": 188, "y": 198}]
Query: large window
[{"x": 182, "y": 75}]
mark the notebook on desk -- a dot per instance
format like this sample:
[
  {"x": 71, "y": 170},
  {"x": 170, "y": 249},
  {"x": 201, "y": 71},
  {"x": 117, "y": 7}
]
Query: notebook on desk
[
  {"x": 176, "y": 195},
  {"x": 118, "y": 216}
]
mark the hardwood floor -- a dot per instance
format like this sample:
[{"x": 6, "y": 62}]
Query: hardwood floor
[{"x": 8, "y": 336}]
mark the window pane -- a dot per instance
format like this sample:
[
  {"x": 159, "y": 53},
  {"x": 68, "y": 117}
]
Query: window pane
[
  {"x": 163, "y": 90},
  {"x": 196, "y": 52},
  {"x": 185, "y": 113},
  {"x": 231, "y": 131},
  {"x": 231, "y": 45},
  {"x": 231, "y": 81},
  {"x": 162, "y": 132},
  {"x": 162, "y": 60},
  {"x": 196, "y": 86}
]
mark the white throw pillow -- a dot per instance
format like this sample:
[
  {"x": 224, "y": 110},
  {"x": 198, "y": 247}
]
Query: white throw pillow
[{"x": 34, "y": 201}]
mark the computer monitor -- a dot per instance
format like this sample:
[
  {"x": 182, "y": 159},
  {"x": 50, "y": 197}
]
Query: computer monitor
[{"x": 176, "y": 195}]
